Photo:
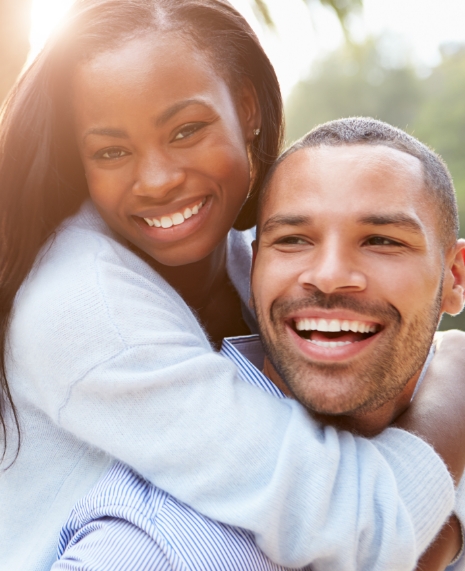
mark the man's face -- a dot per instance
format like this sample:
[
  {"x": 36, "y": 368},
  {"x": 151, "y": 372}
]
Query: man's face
[{"x": 348, "y": 275}]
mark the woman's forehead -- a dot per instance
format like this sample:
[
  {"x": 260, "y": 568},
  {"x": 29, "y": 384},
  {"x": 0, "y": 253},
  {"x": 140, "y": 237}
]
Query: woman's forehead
[{"x": 150, "y": 70}]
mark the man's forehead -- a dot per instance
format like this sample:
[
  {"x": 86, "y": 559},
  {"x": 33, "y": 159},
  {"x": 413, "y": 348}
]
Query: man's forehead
[{"x": 345, "y": 175}]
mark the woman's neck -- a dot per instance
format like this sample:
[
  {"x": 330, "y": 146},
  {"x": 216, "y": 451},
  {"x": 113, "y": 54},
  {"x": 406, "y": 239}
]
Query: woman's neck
[
  {"x": 206, "y": 288},
  {"x": 197, "y": 282}
]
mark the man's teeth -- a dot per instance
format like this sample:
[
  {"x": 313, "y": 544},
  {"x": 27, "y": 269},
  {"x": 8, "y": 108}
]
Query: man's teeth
[
  {"x": 330, "y": 343},
  {"x": 334, "y": 325},
  {"x": 176, "y": 218}
]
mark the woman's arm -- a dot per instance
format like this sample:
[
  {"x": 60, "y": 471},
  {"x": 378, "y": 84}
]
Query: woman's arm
[
  {"x": 437, "y": 413},
  {"x": 438, "y": 416},
  {"x": 444, "y": 548}
]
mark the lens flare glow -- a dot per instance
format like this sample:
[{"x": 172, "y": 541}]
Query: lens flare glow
[{"x": 46, "y": 15}]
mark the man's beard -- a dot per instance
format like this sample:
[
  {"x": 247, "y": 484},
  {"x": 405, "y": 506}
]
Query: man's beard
[{"x": 399, "y": 354}]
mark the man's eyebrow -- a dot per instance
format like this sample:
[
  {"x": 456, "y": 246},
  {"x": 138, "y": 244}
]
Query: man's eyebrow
[
  {"x": 284, "y": 220},
  {"x": 176, "y": 108},
  {"x": 106, "y": 132},
  {"x": 399, "y": 220}
]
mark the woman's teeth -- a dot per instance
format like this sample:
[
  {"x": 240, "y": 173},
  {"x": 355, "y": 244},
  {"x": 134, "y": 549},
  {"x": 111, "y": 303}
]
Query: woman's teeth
[{"x": 176, "y": 218}]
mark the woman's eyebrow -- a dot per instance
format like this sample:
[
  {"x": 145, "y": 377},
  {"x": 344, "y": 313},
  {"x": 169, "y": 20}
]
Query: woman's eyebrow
[
  {"x": 159, "y": 121},
  {"x": 176, "y": 108},
  {"x": 106, "y": 132}
]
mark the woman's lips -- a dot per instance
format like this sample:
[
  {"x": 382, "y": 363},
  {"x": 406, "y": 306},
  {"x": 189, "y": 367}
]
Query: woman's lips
[
  {"x": 172, "y": 232},
  {"x": 177, "y": 218}
]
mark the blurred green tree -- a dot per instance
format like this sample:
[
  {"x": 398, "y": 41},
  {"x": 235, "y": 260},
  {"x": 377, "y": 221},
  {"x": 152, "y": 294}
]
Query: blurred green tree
[
  {"x": 440, "y": 123},
  {"x": 377, "y": 79},
  {"x": 343, "y": 9},
  {"x": 360, "y": 79}
]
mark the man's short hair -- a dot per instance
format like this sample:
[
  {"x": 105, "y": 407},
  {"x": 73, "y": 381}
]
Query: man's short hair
[{"x": 367, "y": 131}]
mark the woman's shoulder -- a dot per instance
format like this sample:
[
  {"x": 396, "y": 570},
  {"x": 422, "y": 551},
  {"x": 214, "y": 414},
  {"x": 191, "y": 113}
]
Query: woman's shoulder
[
  {"x": 85, "y": 258},
  {"x": 89, "y": 293}
]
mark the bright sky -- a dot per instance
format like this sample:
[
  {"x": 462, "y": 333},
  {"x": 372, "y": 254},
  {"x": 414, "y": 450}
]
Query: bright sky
[{"x": 304, "y": 35}]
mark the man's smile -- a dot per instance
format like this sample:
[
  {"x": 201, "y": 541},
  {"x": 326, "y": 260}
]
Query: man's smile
[{"x": 332, "y": 337}]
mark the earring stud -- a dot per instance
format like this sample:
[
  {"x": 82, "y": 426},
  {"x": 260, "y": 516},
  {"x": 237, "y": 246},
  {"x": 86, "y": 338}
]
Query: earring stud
[{"x": 256, "y": 132}]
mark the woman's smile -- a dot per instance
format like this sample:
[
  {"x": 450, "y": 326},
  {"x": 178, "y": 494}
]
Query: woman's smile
[{"x": 178, "y": 224}]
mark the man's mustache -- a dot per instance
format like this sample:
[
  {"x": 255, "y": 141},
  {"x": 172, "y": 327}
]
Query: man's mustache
[{"x": 382, "y": 311}]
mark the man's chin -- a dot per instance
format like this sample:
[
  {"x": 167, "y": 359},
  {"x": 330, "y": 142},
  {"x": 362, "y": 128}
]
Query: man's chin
[{"x": 332, "y": 395}]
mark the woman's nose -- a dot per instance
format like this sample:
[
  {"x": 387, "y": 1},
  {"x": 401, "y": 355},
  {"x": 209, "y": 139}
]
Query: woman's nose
[
  {"x": 156, "y": 175},
  {"x": 334, "y": 270}
]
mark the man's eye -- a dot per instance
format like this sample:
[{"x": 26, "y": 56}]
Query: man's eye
[
  {"x": 382, "y": 241},
  {"x": 111, "y": 154},
  {"x": 292, "y": 241},
  {"x": 188, "y": 130}
]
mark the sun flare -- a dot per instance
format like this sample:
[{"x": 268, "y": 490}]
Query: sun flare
[{"x": 46, "y": 15}]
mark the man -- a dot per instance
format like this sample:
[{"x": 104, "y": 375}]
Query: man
[
  {"x": 356, "y": 264},
  {"x": 355, "y": 261}
]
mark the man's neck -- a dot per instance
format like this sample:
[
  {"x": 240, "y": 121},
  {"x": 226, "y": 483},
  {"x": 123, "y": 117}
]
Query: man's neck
[{"x": 365, "y": 423}]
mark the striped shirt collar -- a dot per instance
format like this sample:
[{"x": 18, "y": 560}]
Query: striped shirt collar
[{"x": 247, "y": 354}]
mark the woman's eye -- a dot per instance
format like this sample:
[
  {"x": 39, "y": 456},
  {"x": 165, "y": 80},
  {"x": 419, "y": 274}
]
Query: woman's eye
[
  {"x": 111, "y": 154},
  {"x": 382, "y": 241},
  {"x": 188, "y": 130}
]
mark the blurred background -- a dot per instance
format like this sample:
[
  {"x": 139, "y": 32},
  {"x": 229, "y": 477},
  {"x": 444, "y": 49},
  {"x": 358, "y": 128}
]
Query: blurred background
[{"x": 401, "y": 61}]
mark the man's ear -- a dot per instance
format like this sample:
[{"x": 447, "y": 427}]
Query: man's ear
[
  {"x": 254, "y": 257},
  {"x": 249, "y": 110},
  {"x": 454, "y": 280}
]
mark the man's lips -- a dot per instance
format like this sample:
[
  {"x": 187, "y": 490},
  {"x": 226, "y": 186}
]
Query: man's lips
[
  {"x": 325, "y": 347},
  {"x": 331, "y": 335}
]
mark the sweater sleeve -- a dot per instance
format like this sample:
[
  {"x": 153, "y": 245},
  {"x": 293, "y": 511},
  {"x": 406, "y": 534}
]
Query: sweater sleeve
[
  {"x": 459, "y": 510},
  {"x": 113, "y": 355}
]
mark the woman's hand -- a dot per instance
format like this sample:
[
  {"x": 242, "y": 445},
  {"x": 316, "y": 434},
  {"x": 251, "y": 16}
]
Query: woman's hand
[{"x": 437, "y": 415}]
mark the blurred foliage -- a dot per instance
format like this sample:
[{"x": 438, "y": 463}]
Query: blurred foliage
[
  {"x": 377, "y": 79},
  {"x": 343, "y": 9}
]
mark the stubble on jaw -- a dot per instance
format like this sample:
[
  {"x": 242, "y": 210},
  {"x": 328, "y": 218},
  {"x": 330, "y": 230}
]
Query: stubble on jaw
[{"x": 376, "y": 381}]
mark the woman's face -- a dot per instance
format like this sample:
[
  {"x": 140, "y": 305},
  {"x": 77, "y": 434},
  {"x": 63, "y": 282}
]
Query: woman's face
[{"x": 164, "y": 146}]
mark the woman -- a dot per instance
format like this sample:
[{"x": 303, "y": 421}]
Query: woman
[{"x": 162, "y": 113}]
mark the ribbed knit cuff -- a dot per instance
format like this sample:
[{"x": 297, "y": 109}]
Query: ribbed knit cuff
[{"x": 423, "y": 479}]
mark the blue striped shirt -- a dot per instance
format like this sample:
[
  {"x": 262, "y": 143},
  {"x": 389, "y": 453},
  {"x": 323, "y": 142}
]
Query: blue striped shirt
[{"x": 126, "y": 523}]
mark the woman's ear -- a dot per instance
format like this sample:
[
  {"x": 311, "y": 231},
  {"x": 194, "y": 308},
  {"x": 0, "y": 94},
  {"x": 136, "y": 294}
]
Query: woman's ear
[
  {"x": 454, "y": 280},
  {"x": 249, "y": 110}
]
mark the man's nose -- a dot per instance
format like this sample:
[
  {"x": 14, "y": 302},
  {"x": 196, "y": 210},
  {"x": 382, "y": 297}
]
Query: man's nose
[
  {"x": 156, "y": 175},
  {"x": 334, "y": 269}
]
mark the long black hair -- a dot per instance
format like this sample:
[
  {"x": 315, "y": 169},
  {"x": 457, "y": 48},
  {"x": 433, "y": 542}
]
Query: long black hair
[{"x": 41, "y": 177}]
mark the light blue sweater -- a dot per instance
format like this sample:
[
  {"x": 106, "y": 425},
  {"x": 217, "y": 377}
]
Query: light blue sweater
[{"x": 105, "y": 359}]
